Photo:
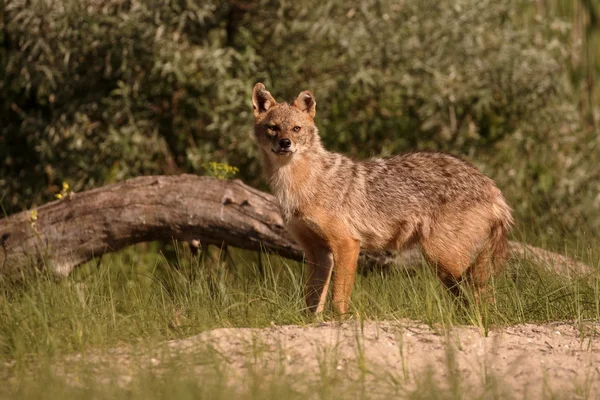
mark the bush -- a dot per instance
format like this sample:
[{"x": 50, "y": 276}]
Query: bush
[{"x": 98, "y": 91}]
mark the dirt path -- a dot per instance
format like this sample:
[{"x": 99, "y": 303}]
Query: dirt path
[{"x": 524, "y": 361}]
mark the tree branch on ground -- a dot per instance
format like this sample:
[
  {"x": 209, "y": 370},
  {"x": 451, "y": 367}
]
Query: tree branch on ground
[{"x": 66, "y": 233}]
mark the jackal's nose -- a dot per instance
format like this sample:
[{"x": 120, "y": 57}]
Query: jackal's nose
[{"x": 285, "y": 143}]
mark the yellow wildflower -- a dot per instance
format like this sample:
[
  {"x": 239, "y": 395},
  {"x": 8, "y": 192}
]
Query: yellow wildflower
[{"x": 63, "y": 192}]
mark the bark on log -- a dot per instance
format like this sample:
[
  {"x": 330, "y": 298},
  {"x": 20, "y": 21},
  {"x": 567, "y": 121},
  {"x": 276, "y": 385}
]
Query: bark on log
[{"x": 66, "y": 233}]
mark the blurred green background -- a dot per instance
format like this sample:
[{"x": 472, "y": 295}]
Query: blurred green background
[{"x": 97, "y": 91}]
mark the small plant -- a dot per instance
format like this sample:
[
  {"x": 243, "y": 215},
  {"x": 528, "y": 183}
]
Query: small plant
[
  {"x": 64, "y": 192},
  {"x": 33, "y": 219},
  {"x": 220, "y": 170}
]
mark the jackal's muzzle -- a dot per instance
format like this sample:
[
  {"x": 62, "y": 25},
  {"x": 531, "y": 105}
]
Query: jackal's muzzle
[{"x": 284, "y": 147}]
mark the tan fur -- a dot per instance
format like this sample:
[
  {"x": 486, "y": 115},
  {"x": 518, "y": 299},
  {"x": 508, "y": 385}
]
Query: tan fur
[{"x": 333, "y": 205}]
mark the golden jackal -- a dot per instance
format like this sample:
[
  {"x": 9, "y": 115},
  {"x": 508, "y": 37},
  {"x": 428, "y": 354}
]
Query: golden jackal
[{"x": 333, "y": 205}]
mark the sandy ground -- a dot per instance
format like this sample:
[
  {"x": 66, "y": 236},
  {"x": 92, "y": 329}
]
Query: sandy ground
[{"x": 557, "y": 360}]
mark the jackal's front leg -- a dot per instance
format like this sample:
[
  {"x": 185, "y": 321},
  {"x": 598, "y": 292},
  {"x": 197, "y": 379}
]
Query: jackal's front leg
[
  {"x": 319, "y": 264},
  {"x": 345, "y": 257}
]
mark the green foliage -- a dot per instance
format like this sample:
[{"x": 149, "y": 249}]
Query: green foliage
[
  {"x": 97, "y": 92},
  {"x": 94, "y": 92},
  {"x": 220, "y": 170}
]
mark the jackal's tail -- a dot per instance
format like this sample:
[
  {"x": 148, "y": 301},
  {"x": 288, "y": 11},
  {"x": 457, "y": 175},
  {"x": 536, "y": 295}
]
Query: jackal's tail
[{"x": 498, "y": 242}]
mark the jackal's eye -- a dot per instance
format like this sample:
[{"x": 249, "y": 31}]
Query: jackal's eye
[
  {"x": 272, "y": 130},
  {"x": 296, "y": 128}
]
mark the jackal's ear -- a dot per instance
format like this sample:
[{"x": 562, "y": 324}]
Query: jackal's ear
[
  {"x": 306, "y": 102},
  {"x": 261, "y": 99}
]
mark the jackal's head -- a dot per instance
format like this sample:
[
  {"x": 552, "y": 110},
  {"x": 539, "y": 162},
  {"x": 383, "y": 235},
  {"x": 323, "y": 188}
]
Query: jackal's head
[{"x": 281, "y": 129}]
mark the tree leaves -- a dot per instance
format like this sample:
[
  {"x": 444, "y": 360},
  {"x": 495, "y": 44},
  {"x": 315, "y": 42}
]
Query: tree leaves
[{"x": 96, "y": 91}]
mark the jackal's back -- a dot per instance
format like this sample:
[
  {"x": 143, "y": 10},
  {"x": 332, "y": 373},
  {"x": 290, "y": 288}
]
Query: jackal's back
[{"x": 395, "y": 201}]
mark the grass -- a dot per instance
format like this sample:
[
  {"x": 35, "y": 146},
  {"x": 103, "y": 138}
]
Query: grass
[{"x": 142, "y": 297}]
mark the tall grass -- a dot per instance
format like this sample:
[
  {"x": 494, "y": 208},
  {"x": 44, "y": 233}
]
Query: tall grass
[
  {"x": 141, "y": 297},
  {"x": 125, "y": 297},
  {"x": 583, "y": 37}
]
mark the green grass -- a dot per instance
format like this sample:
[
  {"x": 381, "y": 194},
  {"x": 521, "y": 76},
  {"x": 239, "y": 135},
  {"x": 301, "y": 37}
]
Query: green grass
[{"x": 141, "y": 297}]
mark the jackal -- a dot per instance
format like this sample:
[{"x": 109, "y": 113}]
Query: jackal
[{"x": 333, "y": 205}]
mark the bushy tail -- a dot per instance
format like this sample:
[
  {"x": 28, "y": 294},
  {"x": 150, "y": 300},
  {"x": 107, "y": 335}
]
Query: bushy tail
[
  {"x": 498, "y": 242},
  {"x": 493, "y": 255}
]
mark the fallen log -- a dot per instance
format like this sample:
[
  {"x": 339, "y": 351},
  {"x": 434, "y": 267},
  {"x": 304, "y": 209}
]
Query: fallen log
[{"x": 69, "y": 232}]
